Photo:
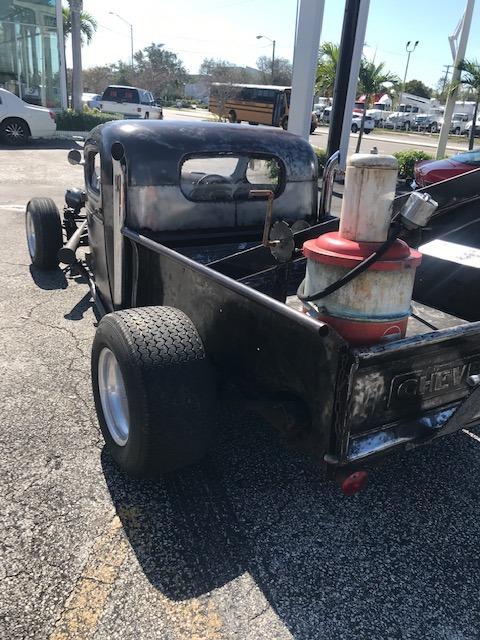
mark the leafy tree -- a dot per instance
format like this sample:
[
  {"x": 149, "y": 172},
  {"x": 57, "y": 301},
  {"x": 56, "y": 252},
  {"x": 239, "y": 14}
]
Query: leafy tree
[
  {"x": 470, "y": 70},
  {"x": 160, "y": 71},
  {"x": 97, "y": 79},
  {"x": 214, "y": 70},
  {"x": 441, "y": 89},
  {"x": 326, "y": 69},
  {"x": 417, "y": 88},
  {"x": 282, "y": 71}
]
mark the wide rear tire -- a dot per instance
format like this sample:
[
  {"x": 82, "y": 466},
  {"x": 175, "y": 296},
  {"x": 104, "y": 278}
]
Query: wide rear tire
[
  {"x": 44, "y": 232},
  {"x": 154, "y": 390}
]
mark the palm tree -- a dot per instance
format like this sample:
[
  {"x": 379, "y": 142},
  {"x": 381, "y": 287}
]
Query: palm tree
[
  {"x": 471, "y": 77},
  {"x": 83, "y": 27},
  {"x": 326, "y": 69},
  {"x": 373, "y": 80},
  {"x": 88, "y": 25}
]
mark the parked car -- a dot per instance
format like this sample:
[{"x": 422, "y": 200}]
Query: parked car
[
  {"x": 427, "y": 172},
  {"x": 20, "y": 121},
  {"x": 92, "y": 100},
  {"x": 459, "y": 123},
  {"x": 431, "y": 121},
  {"x": 130, "y": 102},
  {"x": 468, "y": 127},
  {"x": 368, "y": 126}
]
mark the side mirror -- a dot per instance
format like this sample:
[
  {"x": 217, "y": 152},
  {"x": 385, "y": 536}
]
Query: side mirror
[{"x": 75, "y": 157}]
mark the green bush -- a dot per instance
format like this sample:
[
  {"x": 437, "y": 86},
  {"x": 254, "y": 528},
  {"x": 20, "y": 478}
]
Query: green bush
[
  {"x": 321, "y": 159},
  {"x": 71, "y": 121},
  {"x": 407, "y": 159}
]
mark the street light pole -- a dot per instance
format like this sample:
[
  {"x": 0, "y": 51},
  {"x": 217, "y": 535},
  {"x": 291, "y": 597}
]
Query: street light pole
[
  {"x": 273, "y": 54},
  {"x": 409, "y": 51},
  {"x": 131, "y": 34}
]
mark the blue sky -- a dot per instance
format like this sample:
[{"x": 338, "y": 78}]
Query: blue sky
[{"x": 227, "y": 29}]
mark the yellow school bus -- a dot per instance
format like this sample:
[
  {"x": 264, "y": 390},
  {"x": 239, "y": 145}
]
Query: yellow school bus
[{"x": 253, "y": 103}]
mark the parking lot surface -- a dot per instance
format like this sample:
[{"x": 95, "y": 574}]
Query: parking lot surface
[{"x": 250, "y": 544}]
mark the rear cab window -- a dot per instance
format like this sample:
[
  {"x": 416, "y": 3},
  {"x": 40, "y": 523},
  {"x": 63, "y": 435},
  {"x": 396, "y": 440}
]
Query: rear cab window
[
  {"x": 231, "y": 178},
  {"x": 121, "y": 94}
]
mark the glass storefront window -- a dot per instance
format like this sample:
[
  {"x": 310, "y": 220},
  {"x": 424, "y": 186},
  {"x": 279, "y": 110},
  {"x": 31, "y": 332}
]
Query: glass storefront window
[{"x": 29, "y": 52}]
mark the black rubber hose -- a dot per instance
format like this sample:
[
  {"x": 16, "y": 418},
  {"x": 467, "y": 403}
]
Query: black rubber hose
[{"x": 356, "y": 271}]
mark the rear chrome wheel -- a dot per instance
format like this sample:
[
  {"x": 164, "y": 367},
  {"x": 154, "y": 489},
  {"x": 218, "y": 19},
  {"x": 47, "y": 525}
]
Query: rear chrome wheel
[{"x": 111, "y": 388}]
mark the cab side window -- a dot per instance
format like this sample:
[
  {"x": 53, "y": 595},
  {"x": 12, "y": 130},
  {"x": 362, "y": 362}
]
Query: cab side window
[{"x": 93, "y": 172}]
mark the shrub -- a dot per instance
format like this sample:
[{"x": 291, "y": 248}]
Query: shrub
[
  {"x": 407, "y": 159},
  {"x": 321, "y": 159},
  {"x": 71, "y": 121}
]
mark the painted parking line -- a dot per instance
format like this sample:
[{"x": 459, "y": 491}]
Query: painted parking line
[
  {"x": 85, "y": 604},
  {"x": 186, "y": 620}
]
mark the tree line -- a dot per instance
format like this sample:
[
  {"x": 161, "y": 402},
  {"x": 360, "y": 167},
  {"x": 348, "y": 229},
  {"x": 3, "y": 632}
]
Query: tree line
[{"x": 163, "y": 73}]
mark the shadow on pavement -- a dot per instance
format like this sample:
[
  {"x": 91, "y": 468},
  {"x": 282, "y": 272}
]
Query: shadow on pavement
[
  {"x": 47, "y": 143},
  {"x": 398, "y": 560},
  {"x": 49, "y": 280}
]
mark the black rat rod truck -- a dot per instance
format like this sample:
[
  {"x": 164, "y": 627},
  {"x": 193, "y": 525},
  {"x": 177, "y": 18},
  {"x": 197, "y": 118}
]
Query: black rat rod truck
[{"x": 210, "y": 260}]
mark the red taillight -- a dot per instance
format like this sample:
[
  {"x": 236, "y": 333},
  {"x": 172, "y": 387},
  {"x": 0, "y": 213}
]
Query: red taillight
[
  {"x": 354, "y": 482},
  {"x": 52, "y": 115}
]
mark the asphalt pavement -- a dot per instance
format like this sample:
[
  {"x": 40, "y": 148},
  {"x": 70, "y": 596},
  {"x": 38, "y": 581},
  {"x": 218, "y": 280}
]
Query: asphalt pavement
[{"x": 251, "y": 544}]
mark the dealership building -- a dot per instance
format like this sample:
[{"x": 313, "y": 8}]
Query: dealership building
[{"x": 32, "y": 52}]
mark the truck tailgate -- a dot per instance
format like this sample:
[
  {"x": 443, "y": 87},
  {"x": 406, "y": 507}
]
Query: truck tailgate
[{"x": 407, "y": 392}]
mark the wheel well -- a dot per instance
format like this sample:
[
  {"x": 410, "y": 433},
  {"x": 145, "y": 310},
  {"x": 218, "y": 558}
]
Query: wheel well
[{"x": 14, "y": 119}]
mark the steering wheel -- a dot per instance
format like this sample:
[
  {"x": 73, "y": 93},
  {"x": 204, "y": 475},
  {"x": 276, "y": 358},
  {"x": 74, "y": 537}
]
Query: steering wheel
[
  {"x": 202, "y": 187},
  {"x": 212, "y": 178}
]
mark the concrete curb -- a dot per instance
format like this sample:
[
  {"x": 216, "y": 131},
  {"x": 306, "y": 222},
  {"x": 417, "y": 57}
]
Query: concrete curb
[{"x": 69, "y": 135}]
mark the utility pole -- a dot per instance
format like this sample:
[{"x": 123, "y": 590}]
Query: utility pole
[{"x": 447, "y": 68}]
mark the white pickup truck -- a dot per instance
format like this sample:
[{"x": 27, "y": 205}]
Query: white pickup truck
[{"x": 130, "y": 102}]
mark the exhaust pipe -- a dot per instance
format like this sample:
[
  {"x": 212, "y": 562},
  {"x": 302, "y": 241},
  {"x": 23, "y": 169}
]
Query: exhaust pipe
[{"x": 67, "y": 254}]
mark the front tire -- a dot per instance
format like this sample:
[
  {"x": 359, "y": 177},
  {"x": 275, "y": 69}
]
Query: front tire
[
  {"x": 44, "y": 232},
  {"x": 354, "y": 128},
  {"x": 407, "y": 126},
  {"x": 14, "y": 132},
  {"x": 154, "y": 390},
  {"x": 232, "y": 116}
]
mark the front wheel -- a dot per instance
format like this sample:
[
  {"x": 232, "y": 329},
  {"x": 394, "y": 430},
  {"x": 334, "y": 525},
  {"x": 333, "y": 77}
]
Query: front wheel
[
  {"x": 153, "y": 388},
  {"x": 457, "y": 131},
  {"x": 285, "y": 123},
  {"x": 407, "y": 126},
  {"x": 44, "y": 232},
  {"x": 354, "y": 128},
  {"x": 434, "y": 128},
  {"x": 14, "y": 131},
  {"x": 232, "y": 116},
  {"x": 367, "y": 131}
]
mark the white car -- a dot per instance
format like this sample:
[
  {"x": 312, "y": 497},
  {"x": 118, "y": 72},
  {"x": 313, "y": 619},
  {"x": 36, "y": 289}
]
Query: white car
[
  {"x": 20, "y": 121},
  {"x": 92, "y": 100},
  {"x": 357, "y": 123},
  {"x": 469, "y": 124}
]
